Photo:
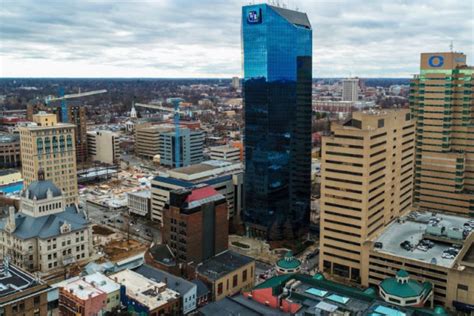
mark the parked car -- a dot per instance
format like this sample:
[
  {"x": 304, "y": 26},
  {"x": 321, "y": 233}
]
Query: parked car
[{"x": 406, "y": 245}]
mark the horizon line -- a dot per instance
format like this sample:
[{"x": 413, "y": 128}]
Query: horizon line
[{"x": 190, "y": 78}]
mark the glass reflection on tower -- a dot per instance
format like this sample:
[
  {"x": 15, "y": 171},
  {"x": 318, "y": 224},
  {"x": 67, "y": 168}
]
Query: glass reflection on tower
[{"x": 277, "y": 53}]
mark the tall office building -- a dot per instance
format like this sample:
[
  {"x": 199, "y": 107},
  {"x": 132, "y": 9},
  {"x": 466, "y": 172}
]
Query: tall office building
[
  {"x": 236, "y": 83},
  {"x": 103, "y": 146},
  {"x": 277, "y": 52},
  {"x": 191, "y": 151},
  {"x": 350, "y": 89},
  {"x": 367, "y": 181},
  {"x": 147, "y": 139},
  {"x": 441, "y": 98},
  {"x": 49, "y": 145},
  {"x": 76, "y": 114}
]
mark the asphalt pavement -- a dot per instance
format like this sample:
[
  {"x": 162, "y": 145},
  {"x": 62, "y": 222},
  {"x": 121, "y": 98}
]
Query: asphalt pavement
[{"x": 139, "y": 227}]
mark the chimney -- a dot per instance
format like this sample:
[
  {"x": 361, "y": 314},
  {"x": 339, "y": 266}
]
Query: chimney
[{"x": 11, "y": 219}]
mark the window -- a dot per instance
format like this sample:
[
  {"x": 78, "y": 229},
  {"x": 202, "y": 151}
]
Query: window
[
  {"x": 463, "y": 287},
  {"x": 356, "y": 123},
  {"x": 235, "y": 280},
  {"x": 244, "y": 275},
  {"x": 219, "y": 288}
]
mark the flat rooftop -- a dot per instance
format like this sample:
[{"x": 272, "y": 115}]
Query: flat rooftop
[
  {"x": 206, "y": 169},
  {"x": 223, "y": 264},
  {"x": 142, "y": 193},
  {"x": 82, "y": 289},
  {"x": 15, "y": 280},
  {"x": 224, "y": 148},
  {"x": 9, "y": 138},
  {"x": 195, "y": 168},
  {"x": 102, "y": 282},
  {"x": 412, "y": 228},
  {"x": 147, "y": 292}
]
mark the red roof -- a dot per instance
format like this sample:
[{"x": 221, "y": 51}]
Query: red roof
[{"x": 201, "y": 193}]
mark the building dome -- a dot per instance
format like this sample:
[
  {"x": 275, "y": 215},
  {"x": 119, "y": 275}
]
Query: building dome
[
  {"x": 319, "y": 277},
  {"x": 440, "y": 311},
  {"x": 39, "y": 190},
  {"x": 289, "y": 264},
  {"x": 404, "y": 291}
]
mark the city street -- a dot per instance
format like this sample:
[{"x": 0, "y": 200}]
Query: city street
[{"x": 139, "y": 227}]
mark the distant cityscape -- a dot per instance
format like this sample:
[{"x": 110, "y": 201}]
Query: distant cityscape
[{"x": 274, "y": 193}]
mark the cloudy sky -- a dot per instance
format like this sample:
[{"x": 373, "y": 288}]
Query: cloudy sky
[{"x": 201, "y": 38}]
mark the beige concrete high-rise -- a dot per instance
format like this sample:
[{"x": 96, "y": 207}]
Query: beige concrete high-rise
[
  {"x": 350, "y": 89},
  {"x": 367, "y": 180},
  {"x": 103, "y": 146},
  {"x": 147, "y": 139},
  {"x": 49, "y": 145},
  {"x": 441, "y": 98}
]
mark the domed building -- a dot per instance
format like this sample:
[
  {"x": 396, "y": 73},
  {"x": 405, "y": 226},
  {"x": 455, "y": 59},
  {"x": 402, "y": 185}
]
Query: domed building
[
  {"x": 45, "y": 234},
  {"x": 403, "y": 291},
  {"x": 288, "y": 264}
]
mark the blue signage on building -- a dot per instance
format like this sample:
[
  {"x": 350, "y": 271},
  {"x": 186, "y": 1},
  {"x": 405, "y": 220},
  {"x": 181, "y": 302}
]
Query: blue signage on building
[
  {"x": 254, "y": 17},
  {"x": 436, "y": 61}
]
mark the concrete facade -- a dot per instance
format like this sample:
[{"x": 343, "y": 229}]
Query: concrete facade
[
  {"x": 226, "y": 177},
  {"x": 139, "y": 202},
  {"x": 452, "y": 276},
  {"x": 192, "y": 145},
  {"x": 147, "y": 139},
  {"x": 350, "y": 89},
  {"x": 367, "y": 181},
  {"x": 441, "y": 99},
  {"x": 225, "y": 152},
  {"x": 103, "y": 146},
  {"x": 9, "y": 151},
  {"x": 50, "y": 146}
]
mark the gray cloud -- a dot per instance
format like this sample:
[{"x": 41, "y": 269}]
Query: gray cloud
[{"x": 166, "y": 38}]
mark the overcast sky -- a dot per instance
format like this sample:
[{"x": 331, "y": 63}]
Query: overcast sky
[{"x": 201, "y": 38}]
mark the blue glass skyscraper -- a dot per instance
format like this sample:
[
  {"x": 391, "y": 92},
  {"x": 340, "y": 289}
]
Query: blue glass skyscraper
[{"x": 277, "y": 63}]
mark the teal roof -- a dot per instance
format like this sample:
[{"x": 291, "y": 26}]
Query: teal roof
[
  {"x": 316, "y": 292},
  {"x": 319, "y": 276},
  {"x": 385, "y": 310},
  {"x": 440, "y": 311},
  {"x": 289, "y": 262},
  {"x": 411, "y": 288},
  {"x": 274, "y": 282},
  {"x": 402, "y": 274},
  {"x": 319, "y": 282},
  {"x": 338, "y": 298}
]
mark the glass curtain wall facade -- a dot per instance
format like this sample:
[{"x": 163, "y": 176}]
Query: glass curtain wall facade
[{"x": 277, "y": 64}]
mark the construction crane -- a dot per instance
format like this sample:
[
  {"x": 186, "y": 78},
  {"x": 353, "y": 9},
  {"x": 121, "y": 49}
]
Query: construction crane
[
  {"x": 63, "y": 97},
  {"x": 176, "y": 111}
]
